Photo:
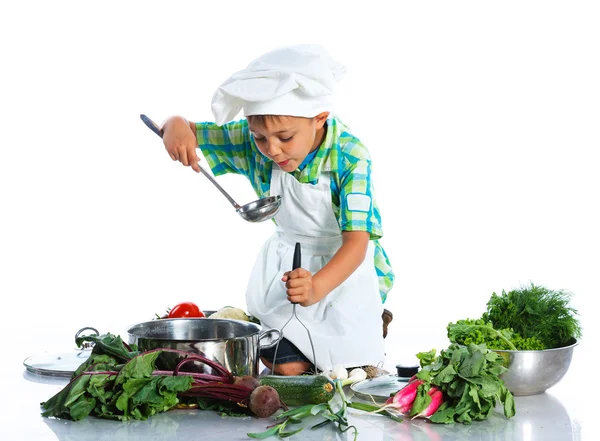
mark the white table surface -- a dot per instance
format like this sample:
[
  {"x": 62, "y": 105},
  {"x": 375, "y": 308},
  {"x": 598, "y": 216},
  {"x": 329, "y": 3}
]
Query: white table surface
[{"x": 564, "y": 412}]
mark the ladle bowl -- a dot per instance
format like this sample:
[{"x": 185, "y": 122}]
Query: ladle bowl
[{"x": 261, "y": 209}]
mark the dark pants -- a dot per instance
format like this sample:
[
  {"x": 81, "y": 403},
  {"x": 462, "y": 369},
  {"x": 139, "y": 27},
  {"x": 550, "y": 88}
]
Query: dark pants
[{"x": 288, "y": 352}]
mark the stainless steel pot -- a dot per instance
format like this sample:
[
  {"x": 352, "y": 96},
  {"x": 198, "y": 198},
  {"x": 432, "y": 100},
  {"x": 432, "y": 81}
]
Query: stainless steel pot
[{"x": 234, "y": 344}]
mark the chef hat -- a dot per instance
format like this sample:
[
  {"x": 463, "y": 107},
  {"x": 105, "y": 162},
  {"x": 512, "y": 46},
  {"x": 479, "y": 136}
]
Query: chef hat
[{"x": 294, "y": 81}]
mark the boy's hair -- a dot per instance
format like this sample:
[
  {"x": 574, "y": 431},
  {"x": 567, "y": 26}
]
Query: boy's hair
[{"x": 261, "y": 120}]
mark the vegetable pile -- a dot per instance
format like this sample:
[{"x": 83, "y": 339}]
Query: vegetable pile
[
  {"x": 324, "y": 410},
  {"x": 460, "y": 385},
  {"x": 118, "y": 382},
  {"x": 191, "y": 310},
  {"x": 530, "y": 318}
]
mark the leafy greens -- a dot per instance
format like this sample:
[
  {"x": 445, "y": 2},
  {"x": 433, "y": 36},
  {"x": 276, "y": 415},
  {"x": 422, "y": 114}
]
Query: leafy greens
[
  {"x": 119, "y": 382},
  {"x": 535, "y": 312},
  {"x": 468, "y": 377},
  {"x": 470, "y": 331}
]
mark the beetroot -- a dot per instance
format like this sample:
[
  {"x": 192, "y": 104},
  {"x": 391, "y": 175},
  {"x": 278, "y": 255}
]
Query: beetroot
[
  {"x": 264, "y": 401},
  {"x": 247, "y": 380}
]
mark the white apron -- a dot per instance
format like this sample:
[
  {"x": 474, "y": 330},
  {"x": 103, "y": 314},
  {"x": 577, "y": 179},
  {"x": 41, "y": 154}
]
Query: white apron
[{"x": 346, "y": 326}]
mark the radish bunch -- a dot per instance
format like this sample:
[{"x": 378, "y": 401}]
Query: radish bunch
[{"x": 403, "y": 401}]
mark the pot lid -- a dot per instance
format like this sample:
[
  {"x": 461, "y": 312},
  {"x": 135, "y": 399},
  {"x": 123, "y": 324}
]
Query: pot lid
[
  {"x": 60, "y": 364},
  {"x": 56, "y": 365}
]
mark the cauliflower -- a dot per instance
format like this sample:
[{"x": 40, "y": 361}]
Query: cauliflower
[{"x": 229, "y": 312}]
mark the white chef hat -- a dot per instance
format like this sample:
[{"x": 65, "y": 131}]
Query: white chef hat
[{"x": 294, "y": 81}]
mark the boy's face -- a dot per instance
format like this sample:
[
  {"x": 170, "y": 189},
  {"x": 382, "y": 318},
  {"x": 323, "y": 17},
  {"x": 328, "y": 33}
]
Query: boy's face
[{"x": 287, "y": 140}]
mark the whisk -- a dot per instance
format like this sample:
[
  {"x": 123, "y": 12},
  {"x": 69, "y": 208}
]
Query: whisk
[{"x": 297, "y": 263}]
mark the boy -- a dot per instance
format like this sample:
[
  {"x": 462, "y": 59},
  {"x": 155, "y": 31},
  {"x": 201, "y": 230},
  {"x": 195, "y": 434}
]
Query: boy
[{"x": 291, "y": 145}]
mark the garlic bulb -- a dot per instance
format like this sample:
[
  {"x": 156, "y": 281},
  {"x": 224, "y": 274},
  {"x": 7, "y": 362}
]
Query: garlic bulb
[{"x": 339, "y": 372}]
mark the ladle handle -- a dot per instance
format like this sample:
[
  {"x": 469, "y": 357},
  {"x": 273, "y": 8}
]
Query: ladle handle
[
  {"x": 154, "y": 127},
  {"x": 211, "y": 179}
]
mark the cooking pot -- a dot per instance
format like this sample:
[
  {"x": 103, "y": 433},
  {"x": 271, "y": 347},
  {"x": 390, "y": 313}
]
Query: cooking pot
[{"x": 235, "y": 344}]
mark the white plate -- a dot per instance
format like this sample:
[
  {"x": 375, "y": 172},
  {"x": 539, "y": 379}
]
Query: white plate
[{"x": 378, "y": 389}]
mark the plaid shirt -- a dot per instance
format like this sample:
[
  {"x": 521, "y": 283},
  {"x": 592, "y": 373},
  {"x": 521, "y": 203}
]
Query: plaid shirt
[{"x": 231, "y": 149}]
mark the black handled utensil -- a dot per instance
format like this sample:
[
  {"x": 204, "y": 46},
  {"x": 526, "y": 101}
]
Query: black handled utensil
[{"x": 296, "y": 263}]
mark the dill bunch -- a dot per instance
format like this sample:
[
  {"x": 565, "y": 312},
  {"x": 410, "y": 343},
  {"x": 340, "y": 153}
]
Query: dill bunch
[{"x": 535, "y": 312}]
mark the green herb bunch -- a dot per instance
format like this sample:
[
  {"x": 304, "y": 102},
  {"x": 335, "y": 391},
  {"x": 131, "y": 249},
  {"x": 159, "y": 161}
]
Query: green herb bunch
[
  {"x": 535, "y": 312},
  {"x": 478, "y": 332}
]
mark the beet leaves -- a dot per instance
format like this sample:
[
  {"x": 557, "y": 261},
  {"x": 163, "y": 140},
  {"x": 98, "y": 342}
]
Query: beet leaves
[{"x": 118, "y": 382}]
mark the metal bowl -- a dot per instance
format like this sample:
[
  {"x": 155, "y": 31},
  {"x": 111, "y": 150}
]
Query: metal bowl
[{"x": 532, "y": 372}]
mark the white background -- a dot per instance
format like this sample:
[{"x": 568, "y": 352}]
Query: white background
[{"x": 481, "y": 119}]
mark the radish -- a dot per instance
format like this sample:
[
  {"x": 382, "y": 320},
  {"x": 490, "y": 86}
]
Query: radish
[
  {"x": 432, "y": 389},
  {"x": 436, "y": 402},
  {"x": 402, "y": 401},
  {"x": 404, "y": 398}
]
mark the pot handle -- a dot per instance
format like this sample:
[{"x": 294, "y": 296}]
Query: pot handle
[
  {"x": 87, "y": 344},
  {"x": 269, "y": 332}
]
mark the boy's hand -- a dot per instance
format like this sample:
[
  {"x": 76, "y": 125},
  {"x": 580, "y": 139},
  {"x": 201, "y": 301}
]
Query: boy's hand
[
  {"x": 180, "y": 142},
  {"x": 299, "y": 286}
]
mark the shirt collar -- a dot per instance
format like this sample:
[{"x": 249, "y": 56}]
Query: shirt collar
[{"x": 320, "y": 162}]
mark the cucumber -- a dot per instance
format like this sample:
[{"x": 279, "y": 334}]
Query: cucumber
[{"x": 300, "y": 389}]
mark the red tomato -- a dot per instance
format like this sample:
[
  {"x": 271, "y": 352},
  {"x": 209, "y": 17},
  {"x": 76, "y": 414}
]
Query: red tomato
[{"x": 185, "y": 310}]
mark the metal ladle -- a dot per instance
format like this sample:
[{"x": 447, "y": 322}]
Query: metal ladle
[{"x": 258, "y": 211}]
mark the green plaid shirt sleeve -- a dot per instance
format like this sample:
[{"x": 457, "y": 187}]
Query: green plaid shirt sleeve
[
  {"x": 229, "y": 149},
  {"x": 385, "y": 274},
  {"x": 225, "y": 147},
  {"x": 358, "y": 212},
  {"x": 357, "y": 208}
]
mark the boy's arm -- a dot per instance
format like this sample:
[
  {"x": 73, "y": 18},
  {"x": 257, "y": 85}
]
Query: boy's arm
[
  {"x": 359, "y": 221},
  {"x": 226, "y": 148},
  {"x": 347, "y": 259},
  {"x": 307, "y": 289},
  {"x": 179, "y": 137}
]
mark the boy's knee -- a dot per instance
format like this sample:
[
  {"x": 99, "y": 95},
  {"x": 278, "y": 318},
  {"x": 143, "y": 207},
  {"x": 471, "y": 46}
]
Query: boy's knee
[
  {"x": 288, "y": 369},
  {"x": 292, "y": 368}
]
